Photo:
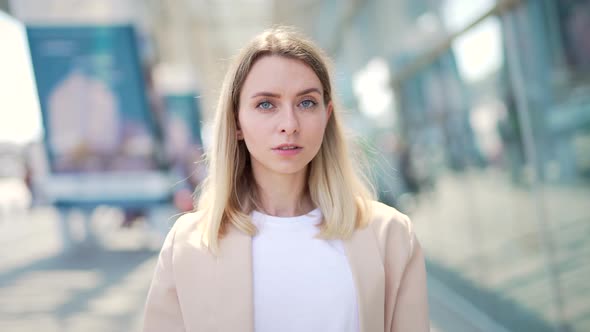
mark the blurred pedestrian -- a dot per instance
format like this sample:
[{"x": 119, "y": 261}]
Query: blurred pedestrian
[{"x": 286, "y": 236}]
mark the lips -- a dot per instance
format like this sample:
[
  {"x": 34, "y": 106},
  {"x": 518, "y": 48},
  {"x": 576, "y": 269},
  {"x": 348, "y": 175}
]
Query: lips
[{"x": 287, "y": 147}]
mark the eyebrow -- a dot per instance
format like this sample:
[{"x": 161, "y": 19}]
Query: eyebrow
[{"x": 275, "y": 95}]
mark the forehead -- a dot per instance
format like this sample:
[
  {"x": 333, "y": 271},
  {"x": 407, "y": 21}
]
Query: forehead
[{"x": 274, "y": 72}]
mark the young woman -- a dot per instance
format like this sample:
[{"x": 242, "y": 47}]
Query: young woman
[{"x": 286, "y": 236}]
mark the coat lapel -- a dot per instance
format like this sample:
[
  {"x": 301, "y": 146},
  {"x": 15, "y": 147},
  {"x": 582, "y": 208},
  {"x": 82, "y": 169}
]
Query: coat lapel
[
  {"x": 217, "y": 290},
  {"x": 368, "y": 274},
  {"x": 221, "y": 298},
  {"x": 234, "y": 301}
]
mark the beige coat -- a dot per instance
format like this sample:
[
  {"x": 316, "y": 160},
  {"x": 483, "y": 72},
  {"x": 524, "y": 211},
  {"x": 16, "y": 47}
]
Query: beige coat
[{"x": 193, "y": 291}]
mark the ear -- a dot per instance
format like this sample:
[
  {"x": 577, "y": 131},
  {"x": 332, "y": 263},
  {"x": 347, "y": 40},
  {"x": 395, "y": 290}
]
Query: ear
[
  {"x": 329, "y": 109},
  {"x": 239, "y": 133}
]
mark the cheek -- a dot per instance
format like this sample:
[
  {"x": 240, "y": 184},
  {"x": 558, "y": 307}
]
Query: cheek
[
  {"x": 252, "y": 129},
  {"x": 318, "y": 129},
  {"x": 245, "y": 122},
  {"x": 253, "y": 132}
]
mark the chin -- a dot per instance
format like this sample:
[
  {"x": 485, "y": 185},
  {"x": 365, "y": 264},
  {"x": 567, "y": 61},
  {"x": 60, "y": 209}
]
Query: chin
[
  {"x": 289, "y": 169},
  {"x": 284, "y": 167}
]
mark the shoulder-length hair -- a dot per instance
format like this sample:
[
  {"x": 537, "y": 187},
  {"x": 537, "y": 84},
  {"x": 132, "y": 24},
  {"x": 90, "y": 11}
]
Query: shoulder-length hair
[{"x": 229, "y": 194}]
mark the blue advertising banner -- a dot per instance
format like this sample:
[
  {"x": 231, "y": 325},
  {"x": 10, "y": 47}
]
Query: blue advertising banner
[
  {"x": 182, "y": 110},
  {"x": 183, "y": 131},
  {"x": 93, "y": 99}
]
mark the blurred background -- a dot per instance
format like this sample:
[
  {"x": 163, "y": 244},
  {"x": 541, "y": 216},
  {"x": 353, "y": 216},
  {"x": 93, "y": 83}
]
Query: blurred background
[{"x": 474, "y": 115}]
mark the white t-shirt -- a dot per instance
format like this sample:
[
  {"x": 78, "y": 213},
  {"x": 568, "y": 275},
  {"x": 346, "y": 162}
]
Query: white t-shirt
[{"x": 300, "y": 283}]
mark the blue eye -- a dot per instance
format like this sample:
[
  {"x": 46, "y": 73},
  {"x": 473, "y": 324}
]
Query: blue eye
[
  {"x": 308, "y": 103},
  {"x": 265, "y": 105}
]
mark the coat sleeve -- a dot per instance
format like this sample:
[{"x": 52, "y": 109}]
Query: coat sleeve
[
  {"x": 411, "y": 308},
  {"x": 162, "y": 309}
]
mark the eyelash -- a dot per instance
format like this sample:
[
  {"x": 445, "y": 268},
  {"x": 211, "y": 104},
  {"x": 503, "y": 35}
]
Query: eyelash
[
  {"x": 313, "y": 104},
  {"x": 264, "y": 102}
]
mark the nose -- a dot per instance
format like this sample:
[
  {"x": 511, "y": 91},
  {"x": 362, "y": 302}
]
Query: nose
[{"x": 289, "y": 122}]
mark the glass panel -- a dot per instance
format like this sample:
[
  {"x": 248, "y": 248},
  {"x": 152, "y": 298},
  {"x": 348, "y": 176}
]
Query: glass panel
[
  {"x": 497, "y": 178},
  {"x": 566, "y": 163}
]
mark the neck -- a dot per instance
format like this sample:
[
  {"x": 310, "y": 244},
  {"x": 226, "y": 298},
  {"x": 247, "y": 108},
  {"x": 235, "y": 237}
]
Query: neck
[{"x": 283, "y": 195}]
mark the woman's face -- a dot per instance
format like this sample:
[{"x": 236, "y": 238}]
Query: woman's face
[{"x": 282, "y": 116}]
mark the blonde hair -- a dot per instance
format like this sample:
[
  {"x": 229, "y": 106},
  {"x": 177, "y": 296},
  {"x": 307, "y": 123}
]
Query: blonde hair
[{"x": 228, "y": 194}]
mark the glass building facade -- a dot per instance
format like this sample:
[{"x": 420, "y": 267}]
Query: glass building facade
[{"x": 498, "y": 165}]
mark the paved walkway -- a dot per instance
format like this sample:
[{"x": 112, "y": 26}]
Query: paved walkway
[
  {"x": 94, "y": 288},
  {"x": 486, "y": 230}
]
